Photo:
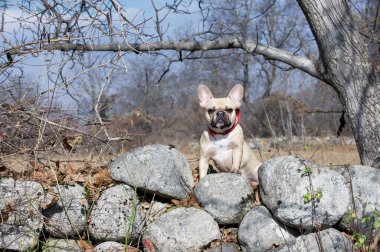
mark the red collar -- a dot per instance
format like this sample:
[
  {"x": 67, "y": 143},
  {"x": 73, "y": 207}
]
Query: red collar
[{"x": 237, "y": 118}]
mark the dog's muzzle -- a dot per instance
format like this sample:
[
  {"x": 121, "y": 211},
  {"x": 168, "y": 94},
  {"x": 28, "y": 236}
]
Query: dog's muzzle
[{"x": 220, "y": 120}]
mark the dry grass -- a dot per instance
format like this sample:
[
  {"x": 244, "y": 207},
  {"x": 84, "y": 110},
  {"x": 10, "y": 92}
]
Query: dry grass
[
  {"x": 325, "y": 151},
  {"x": 90, "y": 169},
  {"x": 318, "y": 151}
]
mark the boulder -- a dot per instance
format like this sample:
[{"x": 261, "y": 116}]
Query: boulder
[
  {"x": 226, "y": 196},
  {"x": 110, "y": 246},
  {"x": 364, "y": 184},
  {"x": 302, "y": 194},
  {"x": 258, "y": 231},
  {"x": 327, "y": 240},
  {"x": 65, "y": 217},
  {"x": 181, "y": 229},
  {"x": 159, "y": 169},
  {"x": 20, "y": 211},
  {"x": 117, "y": 213},
  {"x": 60, "y": 245}
]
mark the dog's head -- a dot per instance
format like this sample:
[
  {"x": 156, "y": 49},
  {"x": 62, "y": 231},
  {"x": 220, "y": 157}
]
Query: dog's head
[{"x": 220, "y": 112}]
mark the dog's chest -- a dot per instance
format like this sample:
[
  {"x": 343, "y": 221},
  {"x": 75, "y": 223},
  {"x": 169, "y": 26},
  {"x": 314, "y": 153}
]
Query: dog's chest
[{"x": 221, "y": 149}]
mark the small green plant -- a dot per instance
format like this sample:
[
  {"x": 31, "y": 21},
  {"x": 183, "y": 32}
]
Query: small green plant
[
  {"x": 308, "y": 169},
  {"x": 131, "y": 219},
  {"x": 309, "y": 196},
  {"x": 359, "y": 240},
  {"x": 366, "y": 220},
  {"x": 376, "y": 214},
  {"x": 318, "y": 194},
  {"x": 87, "y": 211},
  {"x": 306, "y": 147},
  {"x": 376, "y": 224},
  {"x": 364, "y": 230}
]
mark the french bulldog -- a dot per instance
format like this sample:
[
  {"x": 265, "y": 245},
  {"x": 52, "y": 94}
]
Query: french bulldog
[{"x": 223, "y": 141}]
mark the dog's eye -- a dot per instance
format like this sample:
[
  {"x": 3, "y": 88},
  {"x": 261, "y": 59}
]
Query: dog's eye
[
  {"x": 210, "y": 111},
  {"x": 229, "y": 110}
]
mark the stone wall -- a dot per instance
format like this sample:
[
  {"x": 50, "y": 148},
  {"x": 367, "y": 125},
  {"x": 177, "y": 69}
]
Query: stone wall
[{"x": 305, "y": 207}]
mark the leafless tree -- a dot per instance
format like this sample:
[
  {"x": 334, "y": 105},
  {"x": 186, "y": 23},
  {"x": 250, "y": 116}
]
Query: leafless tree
[
  {"x": 67, "y": 29},
  {"x": 263, "y": 22}
]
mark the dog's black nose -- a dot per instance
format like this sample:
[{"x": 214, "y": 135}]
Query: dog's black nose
[{"x": 219, "y": 113}]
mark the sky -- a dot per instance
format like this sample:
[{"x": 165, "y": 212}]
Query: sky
[
  {"x": 36, "y": 68},
  {"x": 136, "y": 11}
]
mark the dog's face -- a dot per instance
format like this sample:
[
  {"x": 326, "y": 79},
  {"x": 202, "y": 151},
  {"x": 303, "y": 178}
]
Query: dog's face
[{"x": 220, "y": 112}]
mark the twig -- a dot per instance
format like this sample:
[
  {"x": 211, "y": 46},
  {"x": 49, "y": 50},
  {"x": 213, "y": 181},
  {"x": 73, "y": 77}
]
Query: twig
[
  {"x": 77, "y": 130},
  {"x": 323, "y": 111}
]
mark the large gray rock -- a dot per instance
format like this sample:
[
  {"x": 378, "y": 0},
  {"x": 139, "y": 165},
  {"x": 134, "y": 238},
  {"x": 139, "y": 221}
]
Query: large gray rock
[
  {"x": 258, "y": 231},
  {"x": 110, "y": 246},
  {"x": 157, "y": 168},
  {"x": 60, "y": 245},
  {"x": 364, "y": 181},
  {"x": 66, "y": 218},
  {"x": 226, "y": 196},
  {"x": 181, "y": 229},
  {"x": 21, "y": 218},
  {"x": 285, "y": 183},
  {"x": 329, "y": 240},
  {"x": 116, "y": 212}
]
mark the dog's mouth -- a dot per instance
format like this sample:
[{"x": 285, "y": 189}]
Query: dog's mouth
[{"x": 220, "y": 121}]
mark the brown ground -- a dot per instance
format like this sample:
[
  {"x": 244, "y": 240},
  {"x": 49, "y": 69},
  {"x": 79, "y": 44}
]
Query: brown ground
[
  {"x": 325, "y": 151},
  {"x": 92, "y": 169},
  {"x": 322, "y": 152}
]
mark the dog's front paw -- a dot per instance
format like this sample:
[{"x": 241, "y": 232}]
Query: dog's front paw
[{"x": 235, "y": 170}]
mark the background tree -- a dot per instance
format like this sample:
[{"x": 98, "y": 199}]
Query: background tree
[{"x": 344, "y": 61}]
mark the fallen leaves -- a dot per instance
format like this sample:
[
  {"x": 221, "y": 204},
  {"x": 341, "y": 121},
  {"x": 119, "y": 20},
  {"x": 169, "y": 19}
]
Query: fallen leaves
[
  {"x": 189, "y": 201},
  {"x": 229, "y": 235},
  {"x": 96, "y": 181},
  {"x": 4, "y": 213},
  {"x": 214, "y": 244},
  {"x": 70, "y": 141},
  {"x": 93, "y": 175},
  {"x": 53, "y": 199},
  {"x": 102, "y": 178},
  {"x": 85, "y": 246},
  {"x": 16, "y": 163},
  {"x": 71, "y": 177}
]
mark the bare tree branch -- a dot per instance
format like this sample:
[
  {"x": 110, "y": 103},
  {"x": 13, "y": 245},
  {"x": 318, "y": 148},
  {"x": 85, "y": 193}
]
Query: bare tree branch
[
  {"x": 119, "y": 9},
  {"x": 268, "y": 52},
  {"x": 77, "y": 130}
]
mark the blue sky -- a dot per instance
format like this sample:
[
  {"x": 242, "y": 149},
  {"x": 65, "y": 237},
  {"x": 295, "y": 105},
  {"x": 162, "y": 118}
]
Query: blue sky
[
  {"x": 37, "y": 67},
  {"x": 136, "y": 11}
]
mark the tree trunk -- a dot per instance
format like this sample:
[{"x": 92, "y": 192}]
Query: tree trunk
[
  {"x": 345, "y": 64},
  {"x": 246, "y": 83},
  {"x": 270, "y": 78}
]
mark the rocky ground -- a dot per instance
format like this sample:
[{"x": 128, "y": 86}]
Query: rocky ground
[{"x": 154, "y": 204}]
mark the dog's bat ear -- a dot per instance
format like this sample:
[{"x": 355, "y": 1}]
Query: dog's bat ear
[
  {"x": 204, "y": 95},
  {"x": 236, "y": 94}
]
